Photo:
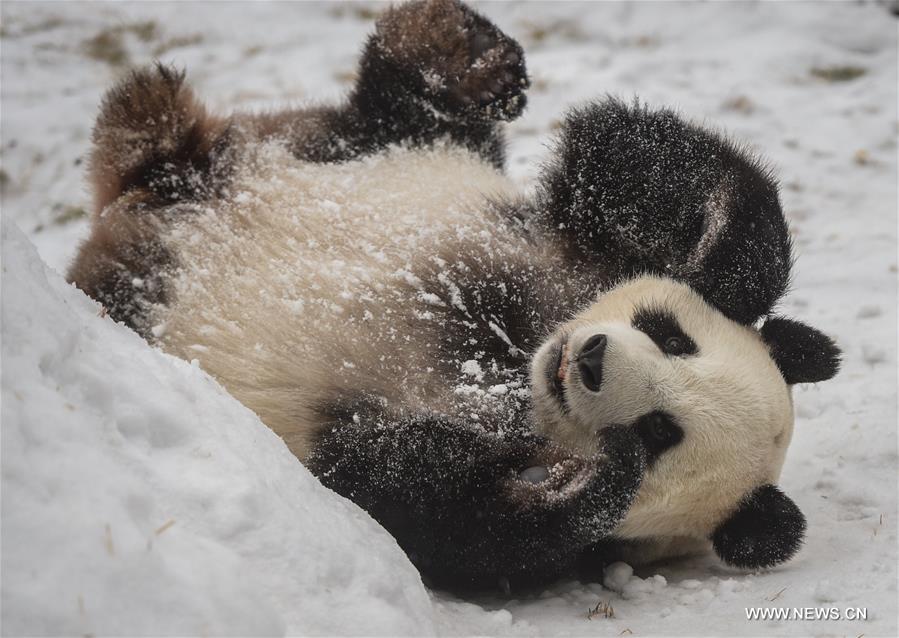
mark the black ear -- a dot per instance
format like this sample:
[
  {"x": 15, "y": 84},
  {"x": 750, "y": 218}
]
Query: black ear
[
  {"x": 765, "y": 530},
  {"x": 803, "y": 354}
]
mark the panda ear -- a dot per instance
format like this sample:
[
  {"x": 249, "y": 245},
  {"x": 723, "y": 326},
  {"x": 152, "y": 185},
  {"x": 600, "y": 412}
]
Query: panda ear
[
  {"x": 803, "y": 354},
  {"x": 765, "y": 530}
]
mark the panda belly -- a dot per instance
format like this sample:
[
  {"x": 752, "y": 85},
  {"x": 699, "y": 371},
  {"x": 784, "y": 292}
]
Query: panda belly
[{"x": 293, "y": 289}]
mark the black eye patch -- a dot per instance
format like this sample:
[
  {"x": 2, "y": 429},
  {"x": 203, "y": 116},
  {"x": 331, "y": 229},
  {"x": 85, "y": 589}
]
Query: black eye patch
[
  {"x": 661, "y": 326},
  {"x": 659, "y": 432}
]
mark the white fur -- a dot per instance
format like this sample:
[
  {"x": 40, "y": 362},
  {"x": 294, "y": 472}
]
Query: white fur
[
  {"x": 285, "y": 289},
  {"x": 715, "y": 216}
]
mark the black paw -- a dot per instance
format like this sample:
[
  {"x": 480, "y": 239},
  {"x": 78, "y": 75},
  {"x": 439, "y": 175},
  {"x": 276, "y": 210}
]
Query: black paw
[
  {"x": 455, "y": 59},
  {"x": 493, "y": 82},
  {"x": 548, "y": 475}
]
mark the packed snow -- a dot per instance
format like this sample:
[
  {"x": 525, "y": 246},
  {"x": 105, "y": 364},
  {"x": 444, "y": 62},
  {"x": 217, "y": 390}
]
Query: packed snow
[{"x": 139, "y": 498}]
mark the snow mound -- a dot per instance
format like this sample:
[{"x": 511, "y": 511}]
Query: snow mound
[{"x": 139, "y": 498}]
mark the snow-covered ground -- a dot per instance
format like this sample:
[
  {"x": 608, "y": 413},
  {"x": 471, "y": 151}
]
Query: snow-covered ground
[{"x": 139, "y": 498}]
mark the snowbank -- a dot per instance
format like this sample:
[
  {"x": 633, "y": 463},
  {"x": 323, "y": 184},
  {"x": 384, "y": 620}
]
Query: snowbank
[{"x": 140, "y": 498}]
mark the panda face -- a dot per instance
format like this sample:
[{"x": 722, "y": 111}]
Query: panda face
[{"x": 652, "y": 350}]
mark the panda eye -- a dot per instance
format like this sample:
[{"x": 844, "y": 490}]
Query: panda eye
[
  {"x": 674, "y": 345},
  {"x": 658, "y": 428},
  {"x": 659, "y": 431},
  {"x": 661, "y": 326}
]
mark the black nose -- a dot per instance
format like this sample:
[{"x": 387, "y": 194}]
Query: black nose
[{"x": 589, "y": 362}]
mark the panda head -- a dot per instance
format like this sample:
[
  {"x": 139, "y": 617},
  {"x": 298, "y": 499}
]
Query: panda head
[{"x": 712, "y": 395}]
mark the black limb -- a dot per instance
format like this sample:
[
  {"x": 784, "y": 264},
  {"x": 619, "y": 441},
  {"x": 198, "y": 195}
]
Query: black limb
[
  {"x": 433, "y": 70},
  {"x": 468, "y": 505}
]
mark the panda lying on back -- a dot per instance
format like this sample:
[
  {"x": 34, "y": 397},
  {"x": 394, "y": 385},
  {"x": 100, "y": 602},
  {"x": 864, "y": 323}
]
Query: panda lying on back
[{"x": 513, "y": 386}]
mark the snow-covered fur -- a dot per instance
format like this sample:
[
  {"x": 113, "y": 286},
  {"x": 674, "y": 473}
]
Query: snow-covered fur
[
  {"x": 508, "y": 384},
  {"x": 301, "y": 287}
]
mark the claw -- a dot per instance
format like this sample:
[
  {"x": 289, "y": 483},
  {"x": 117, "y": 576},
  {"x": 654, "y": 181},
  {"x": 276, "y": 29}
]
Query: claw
[
  {"x": 486, "y": 96},
  {"x": 496, "y": 86}
]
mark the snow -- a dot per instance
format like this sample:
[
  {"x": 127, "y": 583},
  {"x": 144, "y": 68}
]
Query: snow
[
  {"x": 473, "y": 369},
  {"x": 105, "y": 441},
  {"x": 616, "y": 576},
  {"x": 140, "y": 498}
]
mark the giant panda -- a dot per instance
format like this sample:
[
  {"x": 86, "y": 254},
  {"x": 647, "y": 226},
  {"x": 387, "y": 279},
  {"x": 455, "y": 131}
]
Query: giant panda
[{"x": 515, "y": 386}]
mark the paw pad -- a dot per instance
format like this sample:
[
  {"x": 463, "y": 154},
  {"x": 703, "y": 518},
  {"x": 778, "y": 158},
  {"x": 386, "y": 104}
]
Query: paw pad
[{"x": 495, "y": 79}]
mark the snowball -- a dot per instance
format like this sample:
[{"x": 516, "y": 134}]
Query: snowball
[
  {"x": 617, "y": 575},
  {"x": 158, "y": 330}
]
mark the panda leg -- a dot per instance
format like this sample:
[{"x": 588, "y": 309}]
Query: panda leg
[
  {"x": 122, "y": 263},
  {"x": 473, "y": 508},
  {"x": 153, "y": 135},
  {"x": 433, "y": 69},
  {"x": 154, "y": 144}
]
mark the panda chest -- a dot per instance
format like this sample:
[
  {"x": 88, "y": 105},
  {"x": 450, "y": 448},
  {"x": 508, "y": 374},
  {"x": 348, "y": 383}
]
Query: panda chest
[{"x": 316, "y": 264}]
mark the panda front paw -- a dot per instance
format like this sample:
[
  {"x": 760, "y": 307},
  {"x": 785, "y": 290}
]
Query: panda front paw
[
  {"x": 455, "y": 59},
  {"x": 554, "y": 477},
  {"x": 550, "y": 477}
]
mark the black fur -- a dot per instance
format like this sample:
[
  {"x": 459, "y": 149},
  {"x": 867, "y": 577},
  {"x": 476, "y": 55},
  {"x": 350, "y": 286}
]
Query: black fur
[
  {"x": 197, "y": 166},
  {"x": 659, "y": 432},
  {"x": 803, "y": 354},
  {"x": 497, "y": 306},
  {"x": 153, "y": 136},
  {"x": 766, "y": 529},
  {"x": 662, "y": 327},
  {"x": 637, "y": 189},
  {"x": 132, "y": 282},
  {"x": 450, "y": 493}
]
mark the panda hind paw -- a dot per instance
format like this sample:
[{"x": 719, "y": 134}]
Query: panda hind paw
[
  {"x": 461, "y": 62},
  {"x": 495, "y": 80}
]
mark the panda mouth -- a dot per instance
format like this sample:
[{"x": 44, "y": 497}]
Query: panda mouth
[{"x": 557, "y": 371}]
